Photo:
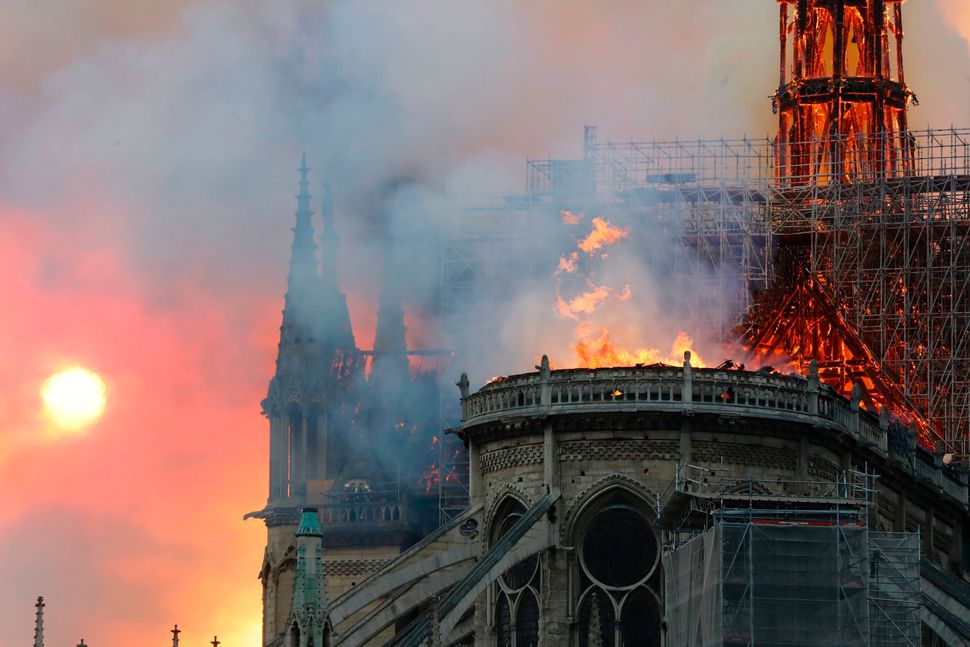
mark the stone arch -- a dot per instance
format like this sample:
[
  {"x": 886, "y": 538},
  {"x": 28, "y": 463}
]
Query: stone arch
[
  {"x": 514, "y": 604},
  {"x": 589, "y": 496},
  {"x": 615, "y": 563},
  {"x": 504, "y": 495}
]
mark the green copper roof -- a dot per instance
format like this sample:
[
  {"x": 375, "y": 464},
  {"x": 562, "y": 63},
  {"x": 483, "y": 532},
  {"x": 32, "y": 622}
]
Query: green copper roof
[{"x": 309, "y": 525}]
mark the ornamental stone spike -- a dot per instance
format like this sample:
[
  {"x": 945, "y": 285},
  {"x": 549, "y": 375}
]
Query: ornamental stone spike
[
  {"x": 39, "y": 623},
  {"x": 175, "y": 636}
]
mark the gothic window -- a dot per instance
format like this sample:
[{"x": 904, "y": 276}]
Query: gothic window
[
  {"x": 516, "y": 593},
  {"x": 527, "y": 621},
  {"x": 617, "y": 575},
  {"x": 503, "y": 622}
]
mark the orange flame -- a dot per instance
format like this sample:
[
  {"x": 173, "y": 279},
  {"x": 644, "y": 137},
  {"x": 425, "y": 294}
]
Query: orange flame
[
  {"x": 570, "y": 218},
  {"x": 585, "y": 303},
  {"x": 603, "y": 234},
  {"x": 596, "y": 350},
  {"x": 568, "y": 263}
]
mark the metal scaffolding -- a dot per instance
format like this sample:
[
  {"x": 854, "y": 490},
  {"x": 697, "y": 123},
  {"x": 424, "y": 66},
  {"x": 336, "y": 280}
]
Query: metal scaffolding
[
  {"x": 753, "y": 562},
  {"x": 867, "y": 274}
]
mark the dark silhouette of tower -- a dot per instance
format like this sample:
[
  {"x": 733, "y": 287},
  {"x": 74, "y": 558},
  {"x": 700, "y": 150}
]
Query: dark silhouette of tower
[{"x": 330, "y": 429}]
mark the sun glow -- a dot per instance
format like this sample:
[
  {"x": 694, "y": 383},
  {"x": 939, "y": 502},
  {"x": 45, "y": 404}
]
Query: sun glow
[{"x": 74, "y": 398}]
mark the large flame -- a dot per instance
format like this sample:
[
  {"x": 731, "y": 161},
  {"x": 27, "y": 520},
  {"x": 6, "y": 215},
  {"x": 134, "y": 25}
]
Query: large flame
[
  {"x": 595, "y": 345},
  {"x": 603, "y": 234},
  {"x": 596, "y": 349}
]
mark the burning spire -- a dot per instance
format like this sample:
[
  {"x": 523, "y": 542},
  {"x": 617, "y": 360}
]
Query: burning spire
[{"x": 842, "y": 94}]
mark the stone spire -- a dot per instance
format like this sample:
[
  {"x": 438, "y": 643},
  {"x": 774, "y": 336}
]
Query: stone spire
[
  {"x": 39, "y": 623},
  {"x": 303, "y": 258},
  {"x": 175, "y": 636},
  {"x": 309, "y": 586},
  {"x": 299, "y": 310}
]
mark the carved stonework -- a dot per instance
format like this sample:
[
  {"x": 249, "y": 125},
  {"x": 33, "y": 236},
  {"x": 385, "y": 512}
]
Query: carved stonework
[
  {"x": 619, "y": 450},
  {"x": 509, "y": 457},
  {"x": 744, "y": 454}
]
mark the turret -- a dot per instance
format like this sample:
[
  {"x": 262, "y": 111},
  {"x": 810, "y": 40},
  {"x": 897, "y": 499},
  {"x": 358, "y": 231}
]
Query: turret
[{"x": 307, "y": 613}]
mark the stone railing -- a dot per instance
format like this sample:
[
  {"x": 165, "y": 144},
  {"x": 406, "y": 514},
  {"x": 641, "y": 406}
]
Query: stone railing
[
  {"x": 690, "y": 390},
  {"x": 376, "y": 512},
  {"x": 669, "y": 388}
]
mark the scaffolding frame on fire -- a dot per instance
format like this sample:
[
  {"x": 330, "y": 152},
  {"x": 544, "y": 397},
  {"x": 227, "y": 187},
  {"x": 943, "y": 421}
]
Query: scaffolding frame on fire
[{"x": 887, "y": 247}]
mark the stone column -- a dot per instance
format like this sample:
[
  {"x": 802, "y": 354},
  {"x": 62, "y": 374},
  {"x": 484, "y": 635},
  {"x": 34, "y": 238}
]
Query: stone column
[{"x": 277, "y": 458}]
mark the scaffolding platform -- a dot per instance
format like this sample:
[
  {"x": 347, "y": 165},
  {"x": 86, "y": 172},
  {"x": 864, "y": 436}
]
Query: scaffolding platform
[{"x": 747, "y": 567}]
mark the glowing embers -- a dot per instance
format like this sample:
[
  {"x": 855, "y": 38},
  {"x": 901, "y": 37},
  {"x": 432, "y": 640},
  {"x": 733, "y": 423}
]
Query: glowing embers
[{"x": 804, "y": 325}]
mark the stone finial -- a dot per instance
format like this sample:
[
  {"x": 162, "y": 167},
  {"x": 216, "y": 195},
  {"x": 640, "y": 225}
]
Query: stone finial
[
  {"x": 686, "y": 358},
  {"x": 813, "y": 370},
  {"x": 82, "y": 643},
  {"x": 175, "y": 636},
  {"x": 462, "y": 385},
  {"x": 884, "y": 417},
  {"x": 215, "y": 641},
  {"x": 856, "y": 395},
  {"x": 544, "y": 370}
]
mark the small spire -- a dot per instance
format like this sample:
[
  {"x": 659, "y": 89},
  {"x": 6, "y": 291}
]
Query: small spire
[
  {"x": 309, "y": 601},
  {"x": 215, "y": 641},
  {"x": 39, "y": 623},
  {"x": 175, "y": 636},
  {"x": 303, "y": 259},
  {"x": 309, "y": 524},
  {"x": 82, "y": 644}
]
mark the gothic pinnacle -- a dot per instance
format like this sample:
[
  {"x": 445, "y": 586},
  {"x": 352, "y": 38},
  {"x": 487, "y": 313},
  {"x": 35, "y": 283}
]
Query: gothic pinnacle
[{"x": 303, "y": 257}]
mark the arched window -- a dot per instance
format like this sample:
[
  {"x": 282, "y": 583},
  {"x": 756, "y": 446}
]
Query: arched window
[
  {"x": 503, "y": 622},
  {"x": 527, "y": 621},
  {"x": 517, "y": 590},
  {"x": 619, "y": 585}
]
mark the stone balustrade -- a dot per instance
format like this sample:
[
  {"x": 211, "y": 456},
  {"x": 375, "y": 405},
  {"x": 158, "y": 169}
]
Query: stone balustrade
[{"x": 689, "y": 390}]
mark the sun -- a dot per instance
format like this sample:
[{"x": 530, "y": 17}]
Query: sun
[{"x": 74, "y": 398}]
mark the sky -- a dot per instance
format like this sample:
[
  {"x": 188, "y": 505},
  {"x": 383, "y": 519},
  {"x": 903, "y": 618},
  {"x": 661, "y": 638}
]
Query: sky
[{"x": 148, "y": 155}]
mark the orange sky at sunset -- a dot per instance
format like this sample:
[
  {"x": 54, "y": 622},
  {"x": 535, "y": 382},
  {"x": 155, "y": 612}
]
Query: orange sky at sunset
[{"x": 147, "y": 173}]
